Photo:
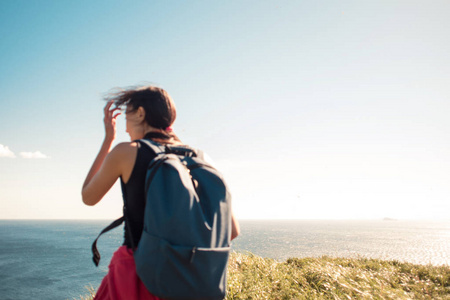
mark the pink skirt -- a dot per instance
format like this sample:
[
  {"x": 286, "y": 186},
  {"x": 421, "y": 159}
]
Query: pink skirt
[{"x": 122, "y": 282}]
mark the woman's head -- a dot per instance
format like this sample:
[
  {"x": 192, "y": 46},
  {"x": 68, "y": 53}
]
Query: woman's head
[
  {"x": 147, "y": 108},
  {"x": 160, "y": 111}
]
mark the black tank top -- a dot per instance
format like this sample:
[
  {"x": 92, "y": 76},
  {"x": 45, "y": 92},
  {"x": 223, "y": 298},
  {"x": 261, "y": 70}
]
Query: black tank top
[{"x": 133, "y": 192}]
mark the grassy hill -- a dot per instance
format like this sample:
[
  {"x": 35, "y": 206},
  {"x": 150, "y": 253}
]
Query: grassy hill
[{"x": 254, "y": 277}]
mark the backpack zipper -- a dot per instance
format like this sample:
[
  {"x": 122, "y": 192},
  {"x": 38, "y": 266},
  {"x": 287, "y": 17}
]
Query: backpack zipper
[{"x": 192, "y": 255}]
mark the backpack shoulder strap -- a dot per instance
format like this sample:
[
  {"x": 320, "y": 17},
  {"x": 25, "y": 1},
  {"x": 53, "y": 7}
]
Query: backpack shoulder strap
[
  {"x": 155, "y": 147},
  {"x": 182, "y": 150}
]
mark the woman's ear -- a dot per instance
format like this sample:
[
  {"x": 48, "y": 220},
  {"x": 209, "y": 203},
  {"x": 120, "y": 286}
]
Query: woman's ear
[{"x": 140, "y": 113}]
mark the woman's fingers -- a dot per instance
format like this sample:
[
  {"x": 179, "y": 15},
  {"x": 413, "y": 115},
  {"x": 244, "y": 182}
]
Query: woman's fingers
[
  {"x": 109, "y": 113},
  {"x": 110, "y": 119},
  {"x": 108, "y": 106}
]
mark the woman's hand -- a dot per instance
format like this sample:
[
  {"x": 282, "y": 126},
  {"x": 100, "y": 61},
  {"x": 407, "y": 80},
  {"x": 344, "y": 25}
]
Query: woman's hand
[{"x": 110, "y": 121}]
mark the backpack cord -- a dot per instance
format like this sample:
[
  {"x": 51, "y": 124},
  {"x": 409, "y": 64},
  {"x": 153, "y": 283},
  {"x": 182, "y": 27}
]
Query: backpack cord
[{"x": 96, "y": 255}]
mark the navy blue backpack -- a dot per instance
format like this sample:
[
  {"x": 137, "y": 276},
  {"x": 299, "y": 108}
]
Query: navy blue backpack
[{"x": 185, "y": 244}]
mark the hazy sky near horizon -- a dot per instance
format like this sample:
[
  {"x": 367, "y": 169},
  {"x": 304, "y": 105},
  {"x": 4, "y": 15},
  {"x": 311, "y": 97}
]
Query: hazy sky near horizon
[{"x": 311, "y": 109}]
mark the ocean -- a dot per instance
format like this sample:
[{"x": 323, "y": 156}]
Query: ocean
[{"x": 52, "y": 259}]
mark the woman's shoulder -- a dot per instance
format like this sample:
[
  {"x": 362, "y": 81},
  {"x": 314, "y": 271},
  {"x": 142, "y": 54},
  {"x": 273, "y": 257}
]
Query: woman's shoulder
[{"x": 125, "y": 149}]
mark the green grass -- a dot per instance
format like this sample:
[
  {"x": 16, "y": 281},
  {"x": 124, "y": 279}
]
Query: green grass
[{"x": 254, "y": 277}]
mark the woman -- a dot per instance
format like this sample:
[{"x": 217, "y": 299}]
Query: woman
[{"x": 150, "y": 113}]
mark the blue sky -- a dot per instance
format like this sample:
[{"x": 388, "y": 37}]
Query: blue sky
[{"x": 312, "y": 109}]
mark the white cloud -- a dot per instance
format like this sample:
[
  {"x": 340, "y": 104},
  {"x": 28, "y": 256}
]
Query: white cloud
[
  {"x": 5, "y": 152},
  {"x": 36, "y": 154}
]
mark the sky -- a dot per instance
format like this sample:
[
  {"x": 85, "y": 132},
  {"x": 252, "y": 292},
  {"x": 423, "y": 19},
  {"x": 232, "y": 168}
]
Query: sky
[{"x": 311, "y": 109}]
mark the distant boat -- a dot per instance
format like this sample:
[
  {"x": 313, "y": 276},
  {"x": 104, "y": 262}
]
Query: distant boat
[{"x": 389, "y": 219}]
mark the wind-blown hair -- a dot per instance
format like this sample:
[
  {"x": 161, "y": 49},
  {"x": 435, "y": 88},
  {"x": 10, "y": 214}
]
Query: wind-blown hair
[{"x": 160, "y": 111}]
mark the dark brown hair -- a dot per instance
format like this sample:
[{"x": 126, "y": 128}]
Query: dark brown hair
[{"x": 160, "y": 111}]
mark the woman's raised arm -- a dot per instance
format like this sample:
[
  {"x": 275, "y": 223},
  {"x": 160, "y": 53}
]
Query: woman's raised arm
[{"x": 105, "y": 169}]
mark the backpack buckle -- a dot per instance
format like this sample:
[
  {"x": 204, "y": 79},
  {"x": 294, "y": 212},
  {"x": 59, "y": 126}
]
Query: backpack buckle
[{"x": 177, "y": 150}]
